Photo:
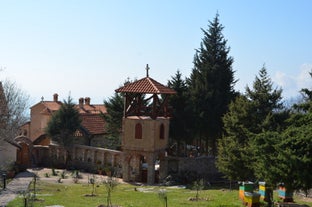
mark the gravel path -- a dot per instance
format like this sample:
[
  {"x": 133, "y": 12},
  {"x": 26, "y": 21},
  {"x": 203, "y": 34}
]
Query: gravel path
[{"x": 17, "y": 186}]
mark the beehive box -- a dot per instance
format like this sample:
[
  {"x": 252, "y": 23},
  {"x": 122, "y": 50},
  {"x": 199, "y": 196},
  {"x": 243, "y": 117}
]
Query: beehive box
[
  {"x": 245, "y": 187},
  {"x": 252, "y": 199},
  {"x": 285, "y": 194},
  {"x": 264, "y": 191}
]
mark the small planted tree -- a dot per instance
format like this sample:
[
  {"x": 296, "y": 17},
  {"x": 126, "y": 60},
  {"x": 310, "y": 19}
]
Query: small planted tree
[
  {"x": 36, "y": 177},
  {"x": 162, "y": 194},
  {"x": 92, "y": 181},
  {"x": 198, "y": 185},
  {"x": 110, "y": 183}
]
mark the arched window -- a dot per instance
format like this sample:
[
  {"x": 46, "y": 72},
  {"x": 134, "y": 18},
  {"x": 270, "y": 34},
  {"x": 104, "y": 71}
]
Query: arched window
[
  {"x": 25, "y": 132},
  {"x": 138, "y": 131},
  {"x": 162, "y": 132}
]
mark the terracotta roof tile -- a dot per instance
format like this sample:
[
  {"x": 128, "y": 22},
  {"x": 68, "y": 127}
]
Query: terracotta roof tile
[
  {"x": 93, "y": 123},
  {"x": 91, "y": 109},
  {"x": 50, "y": 106},
  {"x": 89, "y": 113},
  {"x": 145, "y": 85}
]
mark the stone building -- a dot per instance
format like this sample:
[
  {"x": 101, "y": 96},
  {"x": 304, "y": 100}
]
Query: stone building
[
  {"x": 34, "y": 141},
  {"x": 145, "y": 132},
  {"x": 145, "y": 129}
]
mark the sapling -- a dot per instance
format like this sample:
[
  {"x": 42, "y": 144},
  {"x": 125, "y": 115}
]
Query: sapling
[
  {"x": 36, "y": 177},
  {"x": 162, "y": 194},
  {"x": 198, "y": 185},
  {"x": 110, "y": 183},
  {"x": 92, "y": 181}
]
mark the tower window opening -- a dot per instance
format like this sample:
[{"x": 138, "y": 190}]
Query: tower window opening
[
  {"x": 162, "y": 132},
  {"x": 138, "y": 131}
]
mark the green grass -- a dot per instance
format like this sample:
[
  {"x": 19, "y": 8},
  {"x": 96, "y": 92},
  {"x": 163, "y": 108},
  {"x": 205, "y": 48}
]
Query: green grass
[{"x": 73, "y": 195}]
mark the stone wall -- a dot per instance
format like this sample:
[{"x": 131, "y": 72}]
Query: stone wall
[
  {"x": 188, "y": 169},
  {"x": 92, "y": 159}
]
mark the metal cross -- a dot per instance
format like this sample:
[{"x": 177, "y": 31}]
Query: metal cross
[{"x": 147, "y": 69}]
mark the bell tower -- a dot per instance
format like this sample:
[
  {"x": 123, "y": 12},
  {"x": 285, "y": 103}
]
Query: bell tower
[{"x": 145, "y": 127}]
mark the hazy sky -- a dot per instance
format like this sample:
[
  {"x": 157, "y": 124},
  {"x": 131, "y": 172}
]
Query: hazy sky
[{"x": 88, "y": 48}]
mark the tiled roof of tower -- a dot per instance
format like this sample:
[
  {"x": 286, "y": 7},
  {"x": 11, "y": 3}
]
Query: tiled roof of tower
[{"x": 145, "y": 85}]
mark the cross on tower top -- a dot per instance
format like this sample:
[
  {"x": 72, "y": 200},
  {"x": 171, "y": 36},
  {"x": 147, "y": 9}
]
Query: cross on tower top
[{"x": 147, "y": 69}]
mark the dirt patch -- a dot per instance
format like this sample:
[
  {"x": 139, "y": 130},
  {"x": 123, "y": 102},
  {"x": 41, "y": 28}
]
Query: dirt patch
[
  {"x": 197, "y": 199},
  {"x": 67, "y": 177}
]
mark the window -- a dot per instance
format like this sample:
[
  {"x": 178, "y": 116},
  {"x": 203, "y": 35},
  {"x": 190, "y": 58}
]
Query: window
[
  {"x": 138, "y": 131},
  {"x": 162, "y": 132}
]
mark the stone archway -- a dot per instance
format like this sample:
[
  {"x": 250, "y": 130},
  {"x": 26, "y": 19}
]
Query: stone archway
[
  {"x": 140, "y": 167},
  {"x": 132, "y": 166},
  {"x": 24, "y": 154}
]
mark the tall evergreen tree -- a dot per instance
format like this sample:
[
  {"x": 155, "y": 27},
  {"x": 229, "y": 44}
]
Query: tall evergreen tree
[
  {"x": 233, "y": 148},
  {"x": 295, "y": 151},
  {"x": 266, "y": 103},
  {"x": 62, "y": 126},
  {"x": 258, "y": 110},
  {"x": 211, "y": 83},
  {"x": 286, "y": 157},
  {"x": 113, "y": 119},
  {"x": 180, "y": 124},
  {"x": 264, "y": 141},
  {"x": 296, "y": 146},
  {"x": 307, "y": 99}
]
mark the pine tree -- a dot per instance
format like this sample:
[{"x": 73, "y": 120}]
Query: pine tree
[
  {"x": 307, "y": 99},
  {"x": 62, "y": 125},
  {"x": 266, "y": 103},
  {"x": 180, "y": 123},
  {"x": 211, "y": 83},
  {"x": 294, "y": 153},
  {"x": 234, "y": 152},
  {"x": 259, "y": 110},
  {"x": 295, "y": 146},
  {"x": 113, "y": 119}
]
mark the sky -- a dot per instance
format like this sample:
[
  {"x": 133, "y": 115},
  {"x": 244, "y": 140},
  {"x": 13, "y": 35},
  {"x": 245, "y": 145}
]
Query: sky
[{"x": 89, "y": 48}]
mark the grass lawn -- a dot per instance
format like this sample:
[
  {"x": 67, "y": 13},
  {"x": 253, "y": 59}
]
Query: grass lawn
[{"x": 125, "y": 195}]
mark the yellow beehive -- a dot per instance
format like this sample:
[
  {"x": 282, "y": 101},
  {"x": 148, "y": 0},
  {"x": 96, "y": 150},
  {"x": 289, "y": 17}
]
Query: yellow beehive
[{"x": 251, "y": 198}]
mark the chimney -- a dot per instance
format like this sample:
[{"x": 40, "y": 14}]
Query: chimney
[
  {"x": 87, "y": 101},
  {"x": 55, "y": 97},
  {"x": 80, "y": 102}
]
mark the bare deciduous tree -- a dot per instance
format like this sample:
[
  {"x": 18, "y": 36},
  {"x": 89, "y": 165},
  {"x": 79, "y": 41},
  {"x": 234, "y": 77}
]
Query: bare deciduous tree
[{"x": 14, "y": 104}]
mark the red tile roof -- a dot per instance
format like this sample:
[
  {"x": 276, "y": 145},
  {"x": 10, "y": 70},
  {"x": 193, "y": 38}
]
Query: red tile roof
[
  {"x": 51, "y": 106},
  {"x": 91, "y": 109},
  {"x": 93, "y": 123},
  {"x": 145, "y": 85}
]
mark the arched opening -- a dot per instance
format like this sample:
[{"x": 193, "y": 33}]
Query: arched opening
[
  {"x": 135, "y": 167},
  {"x": 162, "y": 131},
  {"x": 138, "y": 131},
  {"x": 23, "y": 155}
]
